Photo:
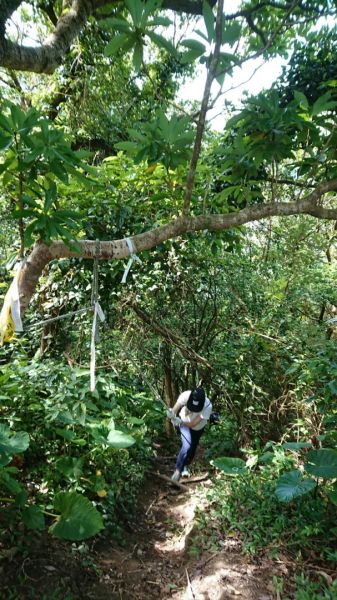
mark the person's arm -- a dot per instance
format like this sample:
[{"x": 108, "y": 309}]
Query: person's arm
[
  {"x": 177, "y": 407},
  {"x": 192, "y": 424},
  {"x": 182, "y": 399}
]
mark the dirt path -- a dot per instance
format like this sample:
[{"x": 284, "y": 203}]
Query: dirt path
[
  {"x": 166, "y": 555},
  {"x": 163, "y": 558}
]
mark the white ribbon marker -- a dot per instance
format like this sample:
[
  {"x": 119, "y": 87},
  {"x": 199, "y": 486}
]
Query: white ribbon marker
[
  {"x": 15, "y": 300},
  {"x": 133, "y": 256},
  {"x": 94, "y": 337}
]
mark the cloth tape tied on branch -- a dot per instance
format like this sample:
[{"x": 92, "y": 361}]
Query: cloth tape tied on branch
[
  {"x": 10, "y": 316},
  {"x": 133, "y": 256}
]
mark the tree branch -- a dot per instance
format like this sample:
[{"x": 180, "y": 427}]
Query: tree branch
[
  {"x": 118, "y": 249},
  {"x": 203, "y": 111},
  {"x": 191, "y": 7},
  {"x": 7, "y": 7},
  {"x": 47, "y": 57},
  {"x": 170, "y": 336}
]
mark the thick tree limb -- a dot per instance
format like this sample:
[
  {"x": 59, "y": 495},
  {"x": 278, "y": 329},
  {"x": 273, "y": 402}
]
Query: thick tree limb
[
  {"x": 118, "y": 249},
  {"x": 49, "y": 55},
  {"x": 7, "y": 7}
]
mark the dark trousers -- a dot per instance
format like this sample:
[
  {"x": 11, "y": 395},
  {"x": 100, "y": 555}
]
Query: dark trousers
[{"x": 189, "y": 443}]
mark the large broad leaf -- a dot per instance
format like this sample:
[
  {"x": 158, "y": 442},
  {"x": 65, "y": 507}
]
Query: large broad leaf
[
  {"x": 119, "y": 439},
  {"x": 79, "y": 519},
  {"x": 291, "y": 485},
  {"x": 70, "y": 467},
  {"x": 5, "y": 459},
  {"x": 209, "y": 20},
  {"x": 118, "y": 42},
  {"x": 296, "y": 445},
  {"x": 322, "y": 463},
  {"x": 10, "y": 483},
  {"x": 33, "y": 518},
  {"x": 231, "y": 466},
  {"x": 12, "y": 443}
]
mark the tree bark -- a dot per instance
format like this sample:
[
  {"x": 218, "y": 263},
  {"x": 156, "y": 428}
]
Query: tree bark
[
  {"x": 49, "y": 55},
  {"x": 42, "y": 254},
  {"x": 118, "y": 249}
]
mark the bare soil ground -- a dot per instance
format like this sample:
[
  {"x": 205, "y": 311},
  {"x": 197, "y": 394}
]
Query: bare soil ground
[{"x": 163, "y": 557}]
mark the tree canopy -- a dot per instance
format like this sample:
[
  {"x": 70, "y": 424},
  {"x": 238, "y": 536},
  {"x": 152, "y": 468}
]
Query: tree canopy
[{"x": 268, "y": 148}]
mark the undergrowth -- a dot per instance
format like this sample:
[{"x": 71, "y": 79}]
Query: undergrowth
[{"x": 303, "y": 530}]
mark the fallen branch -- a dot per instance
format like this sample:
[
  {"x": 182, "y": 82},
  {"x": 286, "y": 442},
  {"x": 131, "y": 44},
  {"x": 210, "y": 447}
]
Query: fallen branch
[
  {"x": 196, "y": 479},
  {"x": 169, "y": 480}
]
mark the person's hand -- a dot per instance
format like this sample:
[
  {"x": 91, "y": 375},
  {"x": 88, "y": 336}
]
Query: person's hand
[
  {"x": 176, "y": 421},
  {"x": 170, "y": 414}
]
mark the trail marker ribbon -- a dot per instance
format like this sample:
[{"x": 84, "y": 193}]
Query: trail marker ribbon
[
  {"x": 98, "y": 312},
  {"x": 15, "y": 300},
  {"x": 133, "y": 256},
  {"x": 10, "y": 317}
]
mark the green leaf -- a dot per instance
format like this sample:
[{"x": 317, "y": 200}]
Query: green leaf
[
  {"x": 70, "y": 467},
  {"x": 135, "y": 8},
  {"x": 159, "y": 22},
  {"x": 291, "y": 485},
  {"x": 209, "y": 20},
  {"x": 322, "y": 104},
  {"x": 6, "y": 124},
  {"x": 119, "y": 439},
  {"x": 228, "y": 191},
  {"x": 189, "y": 57},
  {"x": 266, "y": 457},
  {"x": 296, "y": 445},
  {"x": 5, "y": 141},
  {"x": 231, "y": 33},
  {"x": 231, "y": 466},
  {"x": 67, "y": 434},
  {"x": 58, "y": 169},
  {"x": 117, "y": 43},
  {"x": 129, "y": 147},
  {"x": 78, "y": 520},
  {"x": 5, "y": 459},
  {"x": 116, "y": 23},
  {"x": 10, "y": 483},
  {"x": 12, "y": 443},
  {"x": 162, "y": 42},
  {"x": 301, "y": 99},
  {"x": 322, "y": 463},
  {"x": 194, "y": 45},
  {"x": 150, "y": 7},
  {"x": 21, "y": 499},
  {"x": 18, "y": 116},
  {"x": 33, "y": 518}
]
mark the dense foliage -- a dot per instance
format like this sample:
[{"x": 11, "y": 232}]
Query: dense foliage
[{"x": 250, "y": 309}]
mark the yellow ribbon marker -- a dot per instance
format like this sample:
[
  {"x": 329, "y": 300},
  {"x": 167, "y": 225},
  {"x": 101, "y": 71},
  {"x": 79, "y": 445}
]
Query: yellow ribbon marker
[{"x": 10, "y": 318}]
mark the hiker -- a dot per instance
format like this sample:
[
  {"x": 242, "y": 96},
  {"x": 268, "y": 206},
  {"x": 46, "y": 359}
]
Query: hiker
[{"x": 194, "y": 410}]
